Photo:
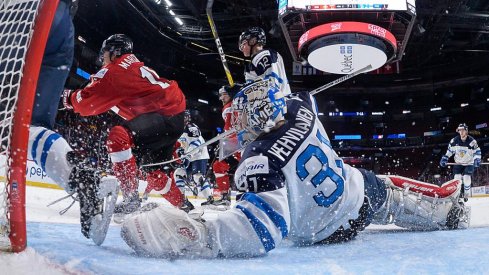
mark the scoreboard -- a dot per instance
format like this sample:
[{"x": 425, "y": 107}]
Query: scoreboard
[{"x": 339, "y": 5}]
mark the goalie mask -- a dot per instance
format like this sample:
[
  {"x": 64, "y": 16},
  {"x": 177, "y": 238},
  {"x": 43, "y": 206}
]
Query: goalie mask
[{"x": 256, "y": 109}]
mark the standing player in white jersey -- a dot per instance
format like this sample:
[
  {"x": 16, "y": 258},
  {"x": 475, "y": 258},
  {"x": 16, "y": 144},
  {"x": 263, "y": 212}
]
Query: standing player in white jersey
[
  {"x": 265, "y": 63},
  {"x": 292, "y": 185},
  {"x": 467, "y": 155},
  {"x": 197, "y": 169}
]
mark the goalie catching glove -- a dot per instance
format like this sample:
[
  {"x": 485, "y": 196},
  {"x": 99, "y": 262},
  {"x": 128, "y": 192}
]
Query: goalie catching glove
[{"x": 166, "y": 232}]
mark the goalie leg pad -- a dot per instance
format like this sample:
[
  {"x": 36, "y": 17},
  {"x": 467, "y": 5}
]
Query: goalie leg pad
[{"x": 417, "y": 205}]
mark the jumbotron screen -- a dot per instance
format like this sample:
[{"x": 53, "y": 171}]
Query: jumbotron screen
[{"x": 338, "y": 5}]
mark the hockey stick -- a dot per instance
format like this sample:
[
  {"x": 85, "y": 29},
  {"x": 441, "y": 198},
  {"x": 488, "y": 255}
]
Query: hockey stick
[
  {"x": 340, "y": 80},
  {"x": 208, "y": 10},
  {"x": 453, "y": 163},
  {"x": 210, "y": 141}
]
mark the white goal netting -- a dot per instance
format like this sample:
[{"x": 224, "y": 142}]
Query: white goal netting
[{"x": 16, "y": 28}]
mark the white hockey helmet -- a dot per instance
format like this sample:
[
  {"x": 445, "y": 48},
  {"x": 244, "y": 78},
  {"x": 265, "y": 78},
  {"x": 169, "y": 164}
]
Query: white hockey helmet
[{"x": 258, "y": 107}]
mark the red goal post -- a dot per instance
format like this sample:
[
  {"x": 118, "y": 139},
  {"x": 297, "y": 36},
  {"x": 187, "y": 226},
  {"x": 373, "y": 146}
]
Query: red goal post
[{"x": 24, "y": 30}]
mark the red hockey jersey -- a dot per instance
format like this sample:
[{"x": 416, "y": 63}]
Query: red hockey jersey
[{"x": 130, "y": 89}]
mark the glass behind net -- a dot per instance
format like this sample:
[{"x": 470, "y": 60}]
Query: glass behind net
[{"x": 16, "y": 27}]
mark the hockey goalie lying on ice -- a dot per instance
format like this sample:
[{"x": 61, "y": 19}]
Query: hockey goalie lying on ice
[{"x": 294, "y": 186}]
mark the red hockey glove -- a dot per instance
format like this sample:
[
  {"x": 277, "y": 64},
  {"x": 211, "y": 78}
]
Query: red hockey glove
[{"x": 66, "y": 99}]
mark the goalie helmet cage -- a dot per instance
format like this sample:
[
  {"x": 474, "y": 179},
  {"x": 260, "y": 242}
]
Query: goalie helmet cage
[{"x": 24, "y": 30}]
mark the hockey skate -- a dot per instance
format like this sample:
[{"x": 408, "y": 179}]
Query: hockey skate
[
  {"x": 209, "y": 201},
  {"x": 187, "y": 206},
  {"x": 225, "y": 200},
  {"x": 97, "y": 197}
]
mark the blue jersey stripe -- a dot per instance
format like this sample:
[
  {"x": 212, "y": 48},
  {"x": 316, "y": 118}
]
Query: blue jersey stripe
[
  {"x": 260, "y": 229},
  {"x": 196, "y": 143},
  {"x": 35, "y": 144},
  {"x": 261, "y": 204},
  {"x": 47, "y": 146},
  {"x": 180, "y": 183},
  {"x": 274, "y": 75}
]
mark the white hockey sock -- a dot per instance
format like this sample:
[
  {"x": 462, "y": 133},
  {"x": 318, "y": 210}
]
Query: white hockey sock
[{"x": 48, "y": 150}]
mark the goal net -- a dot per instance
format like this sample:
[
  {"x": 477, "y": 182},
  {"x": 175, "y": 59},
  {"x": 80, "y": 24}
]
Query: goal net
[{"x": 24, "y": 28}]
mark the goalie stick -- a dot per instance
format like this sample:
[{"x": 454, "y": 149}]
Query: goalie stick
[{"x": 453, "y": 163}]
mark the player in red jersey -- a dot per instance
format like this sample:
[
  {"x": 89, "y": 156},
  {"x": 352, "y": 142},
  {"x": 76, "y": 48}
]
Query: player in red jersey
[
  {"x": 152, "y": 107},
  {"x": 223, "y": 168}
]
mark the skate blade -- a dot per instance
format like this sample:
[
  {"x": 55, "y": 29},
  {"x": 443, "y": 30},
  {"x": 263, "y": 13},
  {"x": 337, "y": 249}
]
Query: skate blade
[
  {"x": 119, "y": 218},
  {"x": 216, "y": 207},
  {"x": 465, "y": 219},
  {"x": 99, "y": 226}
]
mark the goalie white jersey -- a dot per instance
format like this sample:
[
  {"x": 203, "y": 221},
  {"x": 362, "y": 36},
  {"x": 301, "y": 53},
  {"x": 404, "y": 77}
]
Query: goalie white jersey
[
  {"x": 268, "y": 64},
  {"x": 294, "y": 185}
]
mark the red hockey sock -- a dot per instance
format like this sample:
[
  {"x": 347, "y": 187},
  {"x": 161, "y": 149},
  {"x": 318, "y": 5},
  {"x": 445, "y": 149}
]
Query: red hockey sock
[
  {"x": 166, "y": 186},
  {"x": 126, "y": 172}
]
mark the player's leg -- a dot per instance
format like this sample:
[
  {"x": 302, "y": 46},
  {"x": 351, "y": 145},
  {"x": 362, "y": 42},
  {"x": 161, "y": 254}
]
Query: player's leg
[
  {"x": 458, "y": 171},
  {"x": 119, "y": 145},
  {"x": 222, "y": 170},
  {"x": 56, "y": 64},
  {"x": 199, "y": 169},
  {"x": 422, "y": 206},
  {"x": 154, "y": 137},
  {"x": 467, "y": 180},
  {"x": 51, "y": 152}
]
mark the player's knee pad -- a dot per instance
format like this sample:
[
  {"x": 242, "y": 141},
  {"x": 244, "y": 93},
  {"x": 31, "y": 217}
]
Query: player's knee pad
[
  {"x": 119, "y": 139},
  {"x": 48, "y": 150},
  {"x": 220, "y": 167},
  {"x": 467, "y": 179},
  {"x": 417, "y": 205},
  {"x": 458, "y": 177}
]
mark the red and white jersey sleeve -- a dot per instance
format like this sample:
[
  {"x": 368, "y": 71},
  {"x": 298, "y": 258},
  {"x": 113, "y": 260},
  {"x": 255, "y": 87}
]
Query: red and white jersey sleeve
[{"x": 130, "y": 89}]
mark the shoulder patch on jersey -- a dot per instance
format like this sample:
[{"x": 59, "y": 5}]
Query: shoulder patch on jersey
[
  {"x": 256, "y": 165},
  {"x": 259, "y": 56},
  {"x": 101, "y": 73}
]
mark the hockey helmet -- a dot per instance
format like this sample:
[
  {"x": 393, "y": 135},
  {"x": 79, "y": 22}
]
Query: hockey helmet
[
  {"x": 257, "y": 108},
  {"x": 187, "y": 116},
  {"x": 462, "y": 126},
  {"x": 118, "y": 44},
  {"x": 249, "y": 34}
]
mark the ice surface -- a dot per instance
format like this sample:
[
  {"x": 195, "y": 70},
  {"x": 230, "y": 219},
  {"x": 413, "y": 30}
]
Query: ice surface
[{"x": 56, "y": 246}]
